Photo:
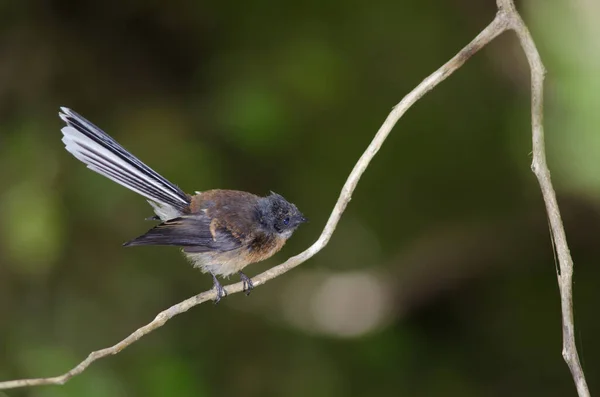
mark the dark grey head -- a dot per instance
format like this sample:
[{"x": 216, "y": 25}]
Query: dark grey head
[{"x": 277, "y": 215}]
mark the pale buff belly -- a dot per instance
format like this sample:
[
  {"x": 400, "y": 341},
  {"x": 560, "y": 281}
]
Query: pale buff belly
[
  {"x": 221, "y": 263},
  {"x": 230, "y": 262}
]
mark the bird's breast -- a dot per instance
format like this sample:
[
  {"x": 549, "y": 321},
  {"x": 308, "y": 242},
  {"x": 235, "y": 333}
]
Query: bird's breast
[
  {"x": 264, "y": 246},
  {"x": 227, "y": 263}
]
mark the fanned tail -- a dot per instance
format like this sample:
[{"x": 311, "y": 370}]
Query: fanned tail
[{"x": 105, "y": 156}]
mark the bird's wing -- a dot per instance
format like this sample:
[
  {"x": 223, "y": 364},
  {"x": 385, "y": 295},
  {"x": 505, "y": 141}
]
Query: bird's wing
[{"x": 197, "y": 233}]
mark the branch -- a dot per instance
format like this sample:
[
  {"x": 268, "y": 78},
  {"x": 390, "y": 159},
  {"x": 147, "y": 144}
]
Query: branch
[
  {"x": 541, "y": 171},
  {"x": 506, "y": 18}
]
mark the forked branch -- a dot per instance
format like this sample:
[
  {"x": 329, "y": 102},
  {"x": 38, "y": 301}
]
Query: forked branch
[{"x": 507, "y": 18}]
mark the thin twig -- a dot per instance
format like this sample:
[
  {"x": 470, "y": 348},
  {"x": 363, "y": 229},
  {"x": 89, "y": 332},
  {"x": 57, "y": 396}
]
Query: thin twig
[
  {"x": 506, "y": 18},
  {"x": 541, "y": 171},
  {"x": 497, "y": 26}
]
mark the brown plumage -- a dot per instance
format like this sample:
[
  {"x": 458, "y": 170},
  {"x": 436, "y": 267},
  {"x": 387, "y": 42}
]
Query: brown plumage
[
  {"x": 220, "y": 231},
  {"x": 224, "y": 230}
]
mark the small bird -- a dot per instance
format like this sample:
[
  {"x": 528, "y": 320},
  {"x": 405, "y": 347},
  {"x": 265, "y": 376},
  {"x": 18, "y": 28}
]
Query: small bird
[{"x": 220, "y": 231}]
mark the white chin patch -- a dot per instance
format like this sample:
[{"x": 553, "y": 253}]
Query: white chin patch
[{"x": 287, "y": 233}]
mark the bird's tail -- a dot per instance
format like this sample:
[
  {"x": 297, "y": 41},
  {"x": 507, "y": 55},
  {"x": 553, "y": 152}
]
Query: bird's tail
[{"x": 105, "y": 156}]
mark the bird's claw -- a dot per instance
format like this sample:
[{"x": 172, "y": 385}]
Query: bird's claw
[
  {"x": 221, "y": 293},
  {"x": 248, "y": 285}
]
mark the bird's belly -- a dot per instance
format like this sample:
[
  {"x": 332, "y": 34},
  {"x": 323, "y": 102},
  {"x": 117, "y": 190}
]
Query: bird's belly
[
  {"x": 230, "y": 262},
  {"x": 219, "y": 263}
]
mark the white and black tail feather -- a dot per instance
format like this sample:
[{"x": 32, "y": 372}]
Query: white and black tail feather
[{"x": 105, "y": 156}]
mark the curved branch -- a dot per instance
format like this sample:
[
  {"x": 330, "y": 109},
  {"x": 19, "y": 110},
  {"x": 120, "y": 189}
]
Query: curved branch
[{"x": 497, "y": 26}]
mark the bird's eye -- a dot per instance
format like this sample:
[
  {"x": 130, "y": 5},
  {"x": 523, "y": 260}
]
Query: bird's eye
[{"x": 286, "y": 221}]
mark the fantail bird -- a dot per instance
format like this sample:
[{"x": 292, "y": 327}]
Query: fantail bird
[{"x": 220, "y": 231}]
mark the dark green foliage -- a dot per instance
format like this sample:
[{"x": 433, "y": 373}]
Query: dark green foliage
[{"x": 443, "y": 256}]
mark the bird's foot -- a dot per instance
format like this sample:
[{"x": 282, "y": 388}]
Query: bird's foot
[
  {"x": 221, "y": 293},
  {"x": 247, "y": 282}
]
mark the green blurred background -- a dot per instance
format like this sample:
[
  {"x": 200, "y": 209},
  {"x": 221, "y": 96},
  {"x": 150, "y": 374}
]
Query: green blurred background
[{"x": 440, "y": 279}]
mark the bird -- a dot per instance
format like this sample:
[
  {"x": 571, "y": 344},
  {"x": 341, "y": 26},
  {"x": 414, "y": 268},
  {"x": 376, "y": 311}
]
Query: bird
[{"x": 220, "y": 231}]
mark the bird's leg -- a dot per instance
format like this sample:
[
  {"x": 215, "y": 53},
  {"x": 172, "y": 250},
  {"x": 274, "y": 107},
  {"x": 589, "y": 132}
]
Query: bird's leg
[
  {"x": 247, "y": 282},
  {"x": 221, "y": 293}
]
